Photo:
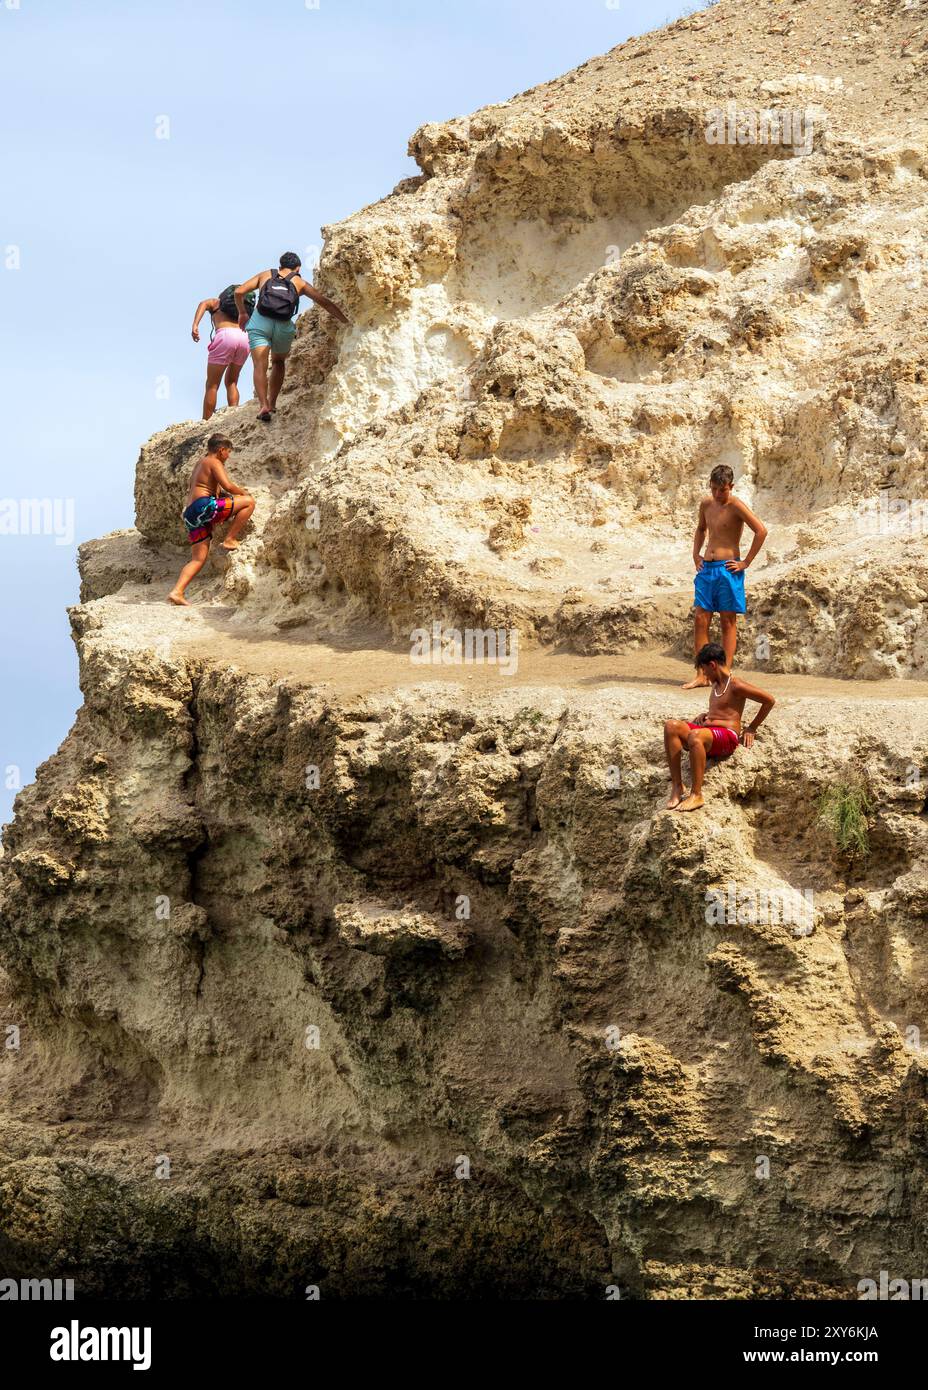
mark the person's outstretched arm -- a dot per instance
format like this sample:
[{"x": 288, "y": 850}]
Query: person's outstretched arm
[
  {"x": 204, "y": 306},
  {"x": 252, "y": 284},
  {"x": 323, "y": 301},
  {"x": 766, "y": 702},
  {"x": 760, "y": 535}
]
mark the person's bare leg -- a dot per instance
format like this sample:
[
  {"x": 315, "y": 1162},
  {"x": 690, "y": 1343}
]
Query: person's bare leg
[
  {"x": 278, "y": 372},
  {"x": 675, "y": 735},
  {"x": 213, "y": 378},
  {"x": 701, "y": 623},
  {"x": 729, "y": 623},
  {"x": 698, "y": 745},
  {"x": 198, "y": 554},
  {"x": 244, "y": 506},
  {"x": 232, "y": 375},
  {"x": 259, "y": 356}
]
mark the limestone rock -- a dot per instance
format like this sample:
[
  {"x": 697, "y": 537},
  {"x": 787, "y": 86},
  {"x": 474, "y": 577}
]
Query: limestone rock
[{"x": 327, "y": 926}]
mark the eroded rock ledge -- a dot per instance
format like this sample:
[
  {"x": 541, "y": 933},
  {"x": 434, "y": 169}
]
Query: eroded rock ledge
[{"x": 504, "y": 949}]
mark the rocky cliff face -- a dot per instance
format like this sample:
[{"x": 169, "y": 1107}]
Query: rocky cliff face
[{"x": 323, "y": 968}]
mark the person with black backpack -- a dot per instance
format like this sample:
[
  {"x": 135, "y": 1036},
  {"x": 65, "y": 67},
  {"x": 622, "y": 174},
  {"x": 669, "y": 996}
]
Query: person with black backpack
[
  {"x": 271, "y": 327},
  {"x": 228, "y": 346}
]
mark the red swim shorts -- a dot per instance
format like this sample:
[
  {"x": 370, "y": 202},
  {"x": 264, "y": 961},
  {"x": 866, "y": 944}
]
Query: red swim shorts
[{"x": 724, "y": 741}]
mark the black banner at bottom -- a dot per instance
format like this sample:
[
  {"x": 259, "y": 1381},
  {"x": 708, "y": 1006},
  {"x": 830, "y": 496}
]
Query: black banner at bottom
[{"x": 204, "y": 1338}]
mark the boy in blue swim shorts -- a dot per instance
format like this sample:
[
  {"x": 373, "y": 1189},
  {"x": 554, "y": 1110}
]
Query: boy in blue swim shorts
[{"x": 720, "y": 571}]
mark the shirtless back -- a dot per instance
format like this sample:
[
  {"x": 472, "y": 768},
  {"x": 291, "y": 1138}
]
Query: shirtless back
[
  {"x": 207, "y": 479},
  {"x": 220, "y": 318},
  {"x": 302, "y": 287}
]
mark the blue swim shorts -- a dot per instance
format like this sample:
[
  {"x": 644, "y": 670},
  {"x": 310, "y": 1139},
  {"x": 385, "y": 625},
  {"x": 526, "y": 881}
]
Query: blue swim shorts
[
  {"x": 718, "y": 590},
  {"x": 277, "y": 334}
]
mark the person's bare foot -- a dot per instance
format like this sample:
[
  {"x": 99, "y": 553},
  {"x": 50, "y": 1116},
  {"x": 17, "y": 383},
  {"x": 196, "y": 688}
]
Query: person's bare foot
[
  {"x": 676, "y": 796},
  {"x": 696, "y": 683},
  {"x": 178, "y": 599},
  {"x": 692, "y": 803}
]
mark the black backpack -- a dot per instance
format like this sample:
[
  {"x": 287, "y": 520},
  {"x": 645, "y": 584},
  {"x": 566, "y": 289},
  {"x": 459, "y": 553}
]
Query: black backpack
[
  {"x": 229, "y": 307},
  {"x": 279, "y": 297}
]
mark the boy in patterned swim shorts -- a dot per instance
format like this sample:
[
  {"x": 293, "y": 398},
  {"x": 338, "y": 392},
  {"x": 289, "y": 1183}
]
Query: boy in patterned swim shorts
[
  {"x": 715, "y": 734},
  {"x": 205, "y": 508}
]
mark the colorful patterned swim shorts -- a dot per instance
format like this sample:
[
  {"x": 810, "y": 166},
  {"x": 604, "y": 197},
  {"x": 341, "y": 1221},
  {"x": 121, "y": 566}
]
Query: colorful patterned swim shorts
[{"x": 203, "y": 514}]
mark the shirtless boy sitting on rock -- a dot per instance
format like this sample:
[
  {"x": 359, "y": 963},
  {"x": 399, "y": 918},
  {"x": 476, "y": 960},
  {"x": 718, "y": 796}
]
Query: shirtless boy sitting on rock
[
  {"x": 720, "y": 572},
  {"x": 715, "y": 734},
  {"x": 205, "y": 508}
]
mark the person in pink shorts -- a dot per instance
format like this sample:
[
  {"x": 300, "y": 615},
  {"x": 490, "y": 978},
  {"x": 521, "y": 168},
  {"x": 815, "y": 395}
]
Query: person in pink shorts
[{"x": 228, "y": 347}]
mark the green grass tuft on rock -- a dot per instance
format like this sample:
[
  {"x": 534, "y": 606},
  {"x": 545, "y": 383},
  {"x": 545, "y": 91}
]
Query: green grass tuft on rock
[{"x": 843, "y": 810}]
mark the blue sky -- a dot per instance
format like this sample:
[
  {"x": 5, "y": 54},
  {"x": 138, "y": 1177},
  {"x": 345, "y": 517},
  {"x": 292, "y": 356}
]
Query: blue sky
[{"x": 281, "y": 118}]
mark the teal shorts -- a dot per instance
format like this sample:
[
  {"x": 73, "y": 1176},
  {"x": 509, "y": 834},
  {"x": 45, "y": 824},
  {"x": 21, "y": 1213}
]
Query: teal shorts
[{"x": 277, "y": 334}]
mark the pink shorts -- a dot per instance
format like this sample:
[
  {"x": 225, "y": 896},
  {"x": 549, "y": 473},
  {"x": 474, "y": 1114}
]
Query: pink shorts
[{"x": 229, "y": 347}]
